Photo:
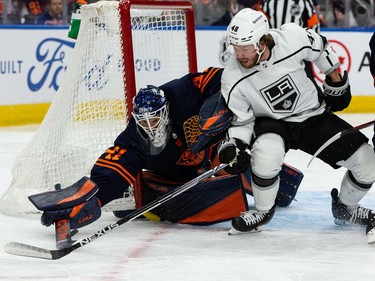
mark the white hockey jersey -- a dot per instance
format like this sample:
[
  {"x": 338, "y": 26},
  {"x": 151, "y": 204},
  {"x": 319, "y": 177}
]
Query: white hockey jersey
[{"x": 278, "y": 87}]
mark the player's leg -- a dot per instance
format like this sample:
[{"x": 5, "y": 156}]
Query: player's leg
[
  {"x": 356, "y": 182},
  {"x": 290, "y": 181},
  {"x": 268, "y": 153},
  {"x": 352, "y": 152}
]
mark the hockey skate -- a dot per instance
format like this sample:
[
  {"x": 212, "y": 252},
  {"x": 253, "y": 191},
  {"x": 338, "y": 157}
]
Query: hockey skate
[
  {"x": 349, "y": 214},
  {"x": 251, "y": 221},
  {"x": 370, "y": 230}
]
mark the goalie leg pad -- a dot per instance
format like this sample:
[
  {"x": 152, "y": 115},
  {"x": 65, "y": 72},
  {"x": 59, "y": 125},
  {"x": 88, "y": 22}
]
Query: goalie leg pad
[
  {"x": 290, "y": 180},
  {"x": 79, "y": 192},
  {"x": 213, "y": 200},
  {"x": 78, "y": 216}
]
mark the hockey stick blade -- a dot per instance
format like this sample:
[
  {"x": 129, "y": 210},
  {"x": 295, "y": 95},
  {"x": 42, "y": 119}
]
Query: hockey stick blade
[
  {"x": 20, "y": 249},
  {"x": 339, "y": 135}
]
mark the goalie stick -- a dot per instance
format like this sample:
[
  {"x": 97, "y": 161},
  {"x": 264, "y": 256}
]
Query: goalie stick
[
  {"x": 339, "y": 135},
  {"x": 26, "y": 250}
]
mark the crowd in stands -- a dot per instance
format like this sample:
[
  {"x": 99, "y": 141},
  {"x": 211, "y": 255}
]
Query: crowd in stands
[
  {"x": 43, "y": 12},
  {"x": 331, "y": 13}
]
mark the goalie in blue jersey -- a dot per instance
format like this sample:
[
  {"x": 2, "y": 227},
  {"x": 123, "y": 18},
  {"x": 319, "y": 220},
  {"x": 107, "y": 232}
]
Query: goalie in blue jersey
[{"x": 171, "y": 138}]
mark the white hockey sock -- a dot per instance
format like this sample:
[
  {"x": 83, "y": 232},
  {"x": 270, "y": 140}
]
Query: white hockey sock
[
  {"x": 350, "y": 193},
  {"x": 264, "y": 197}
]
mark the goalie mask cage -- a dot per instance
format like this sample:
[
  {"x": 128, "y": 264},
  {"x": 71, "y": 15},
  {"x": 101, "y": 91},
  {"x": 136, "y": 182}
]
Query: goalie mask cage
[{"x": 121, "y": 47}]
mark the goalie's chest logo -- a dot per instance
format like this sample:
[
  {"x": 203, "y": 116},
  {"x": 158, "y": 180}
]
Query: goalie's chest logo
[{"x": 282, "y": 95}]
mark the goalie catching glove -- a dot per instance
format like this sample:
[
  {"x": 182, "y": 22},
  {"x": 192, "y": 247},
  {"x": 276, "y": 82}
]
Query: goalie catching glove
[
  {"x": 235, "y": 153},
  {"x": 77, "y": 203},
  {"x": 337, "y": 95}
]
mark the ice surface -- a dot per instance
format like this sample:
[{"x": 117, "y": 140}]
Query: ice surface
[{"x": 300, "y": 243}]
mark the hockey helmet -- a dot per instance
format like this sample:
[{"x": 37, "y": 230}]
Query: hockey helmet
[
  {"x": 150, "y": 111},
  {"x": 247, "y": 27}
]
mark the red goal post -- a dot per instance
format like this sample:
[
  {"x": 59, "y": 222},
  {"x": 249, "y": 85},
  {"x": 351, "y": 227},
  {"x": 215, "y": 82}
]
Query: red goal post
[
  {"x": 125, "y": 10},
  {"x": 121, "y": 47}
]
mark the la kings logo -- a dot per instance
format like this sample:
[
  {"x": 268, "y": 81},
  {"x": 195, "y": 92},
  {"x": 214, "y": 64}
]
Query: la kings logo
[{"x": 281, "y": 96}]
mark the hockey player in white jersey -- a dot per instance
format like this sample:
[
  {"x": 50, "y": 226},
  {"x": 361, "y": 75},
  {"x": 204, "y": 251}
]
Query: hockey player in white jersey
[{"x": 277, "y": 108}]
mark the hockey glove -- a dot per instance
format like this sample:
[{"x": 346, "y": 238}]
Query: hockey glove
[
  {"x": 235, "y": 153},
  {"x": 337, "y": 95},
  {"x": 79, "y": 216},
  {"x": 76, "y": 203}
]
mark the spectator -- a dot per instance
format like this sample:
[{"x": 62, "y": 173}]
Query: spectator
[
  {"x": 12, "y": 15},
  {"x": 31, "y": 10},
  {"x": 53, "y": 15},
  {"x": 337, "y": 17},
  {"x": 233, "y": 6},
  {"x": 363, "y": 12},
  {"x": 208, "y": 11},
  {"x": 319, "y": 13}
]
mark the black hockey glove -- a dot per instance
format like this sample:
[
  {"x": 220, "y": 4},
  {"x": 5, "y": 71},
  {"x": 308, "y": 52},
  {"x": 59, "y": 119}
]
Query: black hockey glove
[
  {"x": 235, "y": 153},
  {"x": 337, "y": 95}
]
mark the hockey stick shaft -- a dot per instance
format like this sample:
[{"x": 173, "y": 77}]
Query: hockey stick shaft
[
  {"x": 339, "y": 135},
  {"x": 31, "y": 251}
]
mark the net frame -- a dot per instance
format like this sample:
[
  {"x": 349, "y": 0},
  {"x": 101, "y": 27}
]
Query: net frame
[{"x": 116, "y": 112}]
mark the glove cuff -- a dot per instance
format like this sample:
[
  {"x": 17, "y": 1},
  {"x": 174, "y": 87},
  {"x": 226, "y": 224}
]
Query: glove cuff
[{"x": 336, "y": 88}]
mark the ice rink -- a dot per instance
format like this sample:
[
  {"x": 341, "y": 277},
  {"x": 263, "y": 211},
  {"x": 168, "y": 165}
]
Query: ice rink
[{"x": 301, "y": 243}]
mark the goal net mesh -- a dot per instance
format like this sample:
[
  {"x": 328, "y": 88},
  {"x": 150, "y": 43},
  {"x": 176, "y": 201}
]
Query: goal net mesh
[{"x": 92, "y": 105}]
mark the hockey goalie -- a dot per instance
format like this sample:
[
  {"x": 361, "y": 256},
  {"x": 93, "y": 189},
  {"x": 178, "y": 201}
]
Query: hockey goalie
[{"x": 171, "y": 138}]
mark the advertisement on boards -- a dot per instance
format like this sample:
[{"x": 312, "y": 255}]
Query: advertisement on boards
[
  {"x": 32, "y": 64},
  {"x": 33, "y": 61}
]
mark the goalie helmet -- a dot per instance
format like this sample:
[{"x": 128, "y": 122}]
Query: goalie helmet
[
  {"x": 150, "y": 111},
  {"x": 247, "y": 27}
]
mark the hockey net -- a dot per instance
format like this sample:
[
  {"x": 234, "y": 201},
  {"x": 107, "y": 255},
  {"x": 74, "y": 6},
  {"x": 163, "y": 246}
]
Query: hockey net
[{"x": 121, "y": 47}]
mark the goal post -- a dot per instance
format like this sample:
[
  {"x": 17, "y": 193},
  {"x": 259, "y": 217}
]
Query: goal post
[
  {"x": 121, "y": 47},
  {"x": 183, "y": 18}
]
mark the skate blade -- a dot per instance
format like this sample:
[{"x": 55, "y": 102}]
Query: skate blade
[
  {"x": 371, "y": 237},
  {"x": 234, "y": 231}
]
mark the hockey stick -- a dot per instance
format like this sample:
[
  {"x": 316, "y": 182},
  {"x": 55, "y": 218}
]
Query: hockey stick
[
  {"x": 339, "y": 135},
  {"x": 21, "y": 249}
]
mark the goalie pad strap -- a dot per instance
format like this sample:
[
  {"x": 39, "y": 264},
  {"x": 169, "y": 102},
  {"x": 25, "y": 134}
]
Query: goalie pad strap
[{"x": 79, "y": 192}]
